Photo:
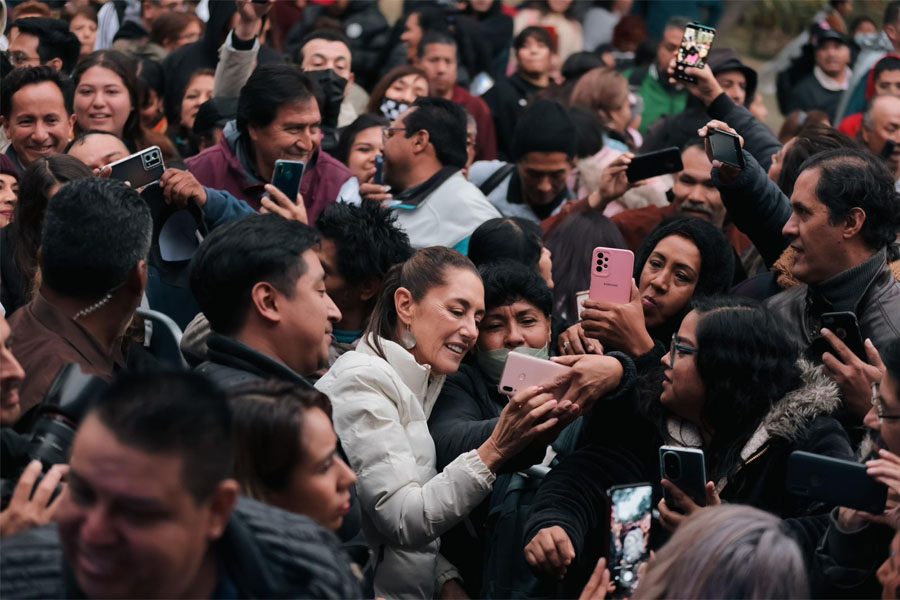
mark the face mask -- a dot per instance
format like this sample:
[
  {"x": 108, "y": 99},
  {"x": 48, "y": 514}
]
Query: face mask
[
  {"x": 492, "y": 362},
  {"x": 393, "y": 109},
  {"x": 333, "y": 86}
]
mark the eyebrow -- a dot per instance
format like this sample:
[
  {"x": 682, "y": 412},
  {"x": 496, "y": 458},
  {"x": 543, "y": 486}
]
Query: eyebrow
[{"x": 74, "y": 477}]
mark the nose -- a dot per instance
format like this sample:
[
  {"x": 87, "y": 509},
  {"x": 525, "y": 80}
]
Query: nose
[
  {"x": 333, "y": 312},
  {"x": 39, "y": 133},
  {"x": 790, "y": 228},
  {"x": 666, "y": 361},
  {"x": 469, "y": 330},
  {"x": 514, "y": 337},
  {"x": 347, "y": 478},
  {"x": 660, "y": 282},
  {"x": 545, "y": 185},
  {"x": 96, "y": 529},
  {"x": 871, "y": 420},
  {"x": 10, "y": 369}
]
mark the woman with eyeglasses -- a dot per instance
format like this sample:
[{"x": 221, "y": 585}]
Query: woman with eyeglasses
[{"x": 734, "y": 386}]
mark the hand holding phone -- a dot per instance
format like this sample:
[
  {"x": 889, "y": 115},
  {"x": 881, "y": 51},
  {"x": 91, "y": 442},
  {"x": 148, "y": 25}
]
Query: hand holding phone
[
  {"x": 379, "y": 170},
  {"x": 835, "y": 481},
  {"x": 844, "y": 326},
  {"x": 686, "y": 469},
  {"x": 140, "y": 169},
  {"x": 726, "y": 147},
  {"x": 522, "y": 371},
  {"x": 660, "y": 162},
  {"x": 611, "y": 273},
  {"x": 629, "y": 540},
  {"x": 694, "y": 49},
  {"x": 287, "y": 177}
]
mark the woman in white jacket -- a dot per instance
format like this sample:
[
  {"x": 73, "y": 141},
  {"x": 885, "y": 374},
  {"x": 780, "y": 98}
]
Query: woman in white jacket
[{"x": 382, "y": 395}]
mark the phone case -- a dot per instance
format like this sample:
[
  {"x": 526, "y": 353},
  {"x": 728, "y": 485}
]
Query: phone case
[
  {"x": 834, "y": 481},
  {"x": 140, "y": 169},
  {"x": 287, "y": 177},
  {"x": 686, "y": 468},
  {"x": 660, "y": 162},
  {"x": 580, "y": 297},
  {"x": 846, "y": 327},
  {"x": 611, "y": 272},
  {"x": 379, "y": 170},
  {"x": 726, "y": 148},
  {"x": 522, "y": 371}
]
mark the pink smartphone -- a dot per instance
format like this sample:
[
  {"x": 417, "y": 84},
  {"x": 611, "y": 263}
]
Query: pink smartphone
[
  {"x": 611, "y": 273},
  {"x": 522, "y": 371}
]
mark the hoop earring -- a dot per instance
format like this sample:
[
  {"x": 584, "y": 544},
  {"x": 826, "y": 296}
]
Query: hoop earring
[{"x": 407, "y": 339}]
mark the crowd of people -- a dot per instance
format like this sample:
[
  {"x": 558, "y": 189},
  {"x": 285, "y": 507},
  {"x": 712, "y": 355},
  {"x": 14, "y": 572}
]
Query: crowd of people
[{"x": 218, "y": 384}]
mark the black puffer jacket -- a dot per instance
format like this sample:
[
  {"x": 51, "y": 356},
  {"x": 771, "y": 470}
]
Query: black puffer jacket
[{"x": 267, "y": 552}]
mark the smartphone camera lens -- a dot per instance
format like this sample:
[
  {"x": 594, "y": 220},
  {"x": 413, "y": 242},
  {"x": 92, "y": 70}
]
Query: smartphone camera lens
[
  {"x": 672, "y": 465},
  {"x": 507, "y": 389}
]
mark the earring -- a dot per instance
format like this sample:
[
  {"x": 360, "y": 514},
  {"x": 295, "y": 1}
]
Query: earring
[{"x": 407, "y": 339}]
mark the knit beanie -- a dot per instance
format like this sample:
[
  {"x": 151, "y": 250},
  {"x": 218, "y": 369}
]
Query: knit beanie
[{"x": 544, "y": 127}]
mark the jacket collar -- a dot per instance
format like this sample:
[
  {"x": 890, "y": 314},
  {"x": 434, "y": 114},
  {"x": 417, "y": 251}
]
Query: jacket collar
[
  {"x": 424, "y": 384},
  {"x": 233, "y": 353}
]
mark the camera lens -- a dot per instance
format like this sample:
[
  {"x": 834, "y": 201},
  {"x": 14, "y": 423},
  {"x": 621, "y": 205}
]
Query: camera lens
[
  {"x": 507, "y": 388},
  {"x": 672, "y": 466}
]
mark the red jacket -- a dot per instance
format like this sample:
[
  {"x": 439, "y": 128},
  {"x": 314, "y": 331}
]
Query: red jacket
[
  {"x": 851, "y": 124},
  {"x": 486, "y": 139},
  {"x": 219, "y": 168}
]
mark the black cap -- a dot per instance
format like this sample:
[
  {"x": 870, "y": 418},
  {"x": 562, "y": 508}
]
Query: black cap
[
  {"x": 544, "y": 127},
  {"x": 215, "y": 112},
  {"x": 823, "y": 35}
]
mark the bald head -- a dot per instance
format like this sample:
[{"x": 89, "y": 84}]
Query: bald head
[{"x": 881, "y": 124}]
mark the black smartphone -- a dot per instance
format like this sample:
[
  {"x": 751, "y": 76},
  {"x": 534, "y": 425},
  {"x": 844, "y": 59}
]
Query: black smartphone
[
  {"x": 379, "y": 170},
  {"x": 888, "y": 149},
  {"x": 287, "y": 177},
  {"x": 629, "y": 540},
  {"x": 726, "y": 148},
  {"x": 686, "y": 468},
  {"x": 694, "y": 49},
  {"x": 845, "y": 326},
  {"x": 660, "y": 162},
  {"x": 140, "y": 169},
  {"x": 835, "y": 481}
]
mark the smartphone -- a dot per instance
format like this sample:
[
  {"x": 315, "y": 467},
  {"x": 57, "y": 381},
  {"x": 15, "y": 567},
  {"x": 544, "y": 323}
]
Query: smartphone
[
  {"x": 379, "y": 170},
  {"x": 694, "y": 49},
  {"x": 660, "y": 162},
  {"x": 522, "y": 371},
  {"x": 835, "y": 481},
  {"x": 726, "y": 148},
  {"x": 888, "y": 149},
  {"x": 629, "y": 540},
  {"x": 140, "y": 169},
  {"x": 611, "y": 273},
  {"x": 846, "y": 327},
  {"x": 287, "y": 177},
  {"x": 686, "y": 468}
]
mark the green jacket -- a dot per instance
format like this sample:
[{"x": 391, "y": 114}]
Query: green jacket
[{"x": 659, "y": 99}]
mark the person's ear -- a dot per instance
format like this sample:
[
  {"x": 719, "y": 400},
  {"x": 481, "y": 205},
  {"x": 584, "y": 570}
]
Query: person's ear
[
  {"x": 422, "y": 139},
  {"x": 221, "y": 505},
  {"x": 854, "y": 222},
  {"x": 253, "y": 133},
  {"x": 369, "y": 289},
  {"x": 264, "y": 297},
  {"x": 55, "y": 63},
  {"x": 405, "y": 306}
]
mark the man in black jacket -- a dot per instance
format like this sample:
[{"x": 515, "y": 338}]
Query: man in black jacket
[
  {"x": 151, "y": 511},
  {"x": 261, "y": 285}
]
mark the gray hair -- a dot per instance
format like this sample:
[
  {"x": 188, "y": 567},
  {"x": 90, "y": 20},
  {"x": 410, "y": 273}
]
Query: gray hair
[{"x": 727, "y": 551}]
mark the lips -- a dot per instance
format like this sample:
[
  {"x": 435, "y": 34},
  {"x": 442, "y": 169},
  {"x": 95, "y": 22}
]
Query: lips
[
  {"x": 97, "y": 564},
  {"x": 648, "y": 302},
  {"x": 456, "y": 348}
]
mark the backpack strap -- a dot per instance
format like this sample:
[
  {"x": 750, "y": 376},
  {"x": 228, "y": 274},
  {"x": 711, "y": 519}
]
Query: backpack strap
[{"x": 491, "y": 183}]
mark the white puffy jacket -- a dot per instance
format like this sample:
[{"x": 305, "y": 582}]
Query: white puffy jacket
[{"x": 381, "y": 410}]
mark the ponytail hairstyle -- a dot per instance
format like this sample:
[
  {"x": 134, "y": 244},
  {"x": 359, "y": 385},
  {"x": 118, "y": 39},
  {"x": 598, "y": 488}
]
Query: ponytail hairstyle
[{"x": 422, "y": 272}]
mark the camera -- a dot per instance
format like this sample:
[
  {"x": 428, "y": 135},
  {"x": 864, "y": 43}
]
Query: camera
[
  {"x": 601, "y": 261},
  {"x": 68, "y": 400},
  {"x": 672, "y": 464},
  {"x": 151, "y": 159}
]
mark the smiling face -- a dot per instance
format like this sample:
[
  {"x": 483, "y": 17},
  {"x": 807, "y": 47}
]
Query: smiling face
[
  {"x": 9, "y": 187},
  {"x": 518, "y": 324},
  {"x": 361, "y": 159},
  {"x": 102, "y": 101},
  {"x": 445, "y": 321},
  {"x": 668, "y": 279},
  {"x": 11, "y": 376},
  {"x": 683, "y": 392},
  {"x": 199, "y": 90},
  {"x": 293, "y": 135},
  {"x": 38, "y": 123},
  {"x": 833, "y": 58},
  {"x": 695, "y": 194}
]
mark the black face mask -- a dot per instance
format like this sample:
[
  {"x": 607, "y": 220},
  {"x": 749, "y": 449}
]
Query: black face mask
[{"x": 333, "y": 86}]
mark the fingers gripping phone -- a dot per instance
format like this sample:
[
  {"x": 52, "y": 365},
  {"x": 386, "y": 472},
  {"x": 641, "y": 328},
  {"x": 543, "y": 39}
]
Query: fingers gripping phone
[
  {"x": 287, "y": 177},
  {"x": 140, "y": 169},
  {"x": 834, "y": 481},
  {"x": 611, "y": 273},
  {"x": 522, "y": 371},
  {"x": 694, "y": 49},
  {"x": 726, "y": 148},
  {"x": 686, "y": 468},
  {"x": 629, "y": 540},
  {"x": 845, "y": 326},
  {"x": 660, "y": 162}
]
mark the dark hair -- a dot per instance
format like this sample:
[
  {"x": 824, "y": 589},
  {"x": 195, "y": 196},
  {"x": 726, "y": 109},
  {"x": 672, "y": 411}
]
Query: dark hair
[
  {"x": 170, "y": 25},
  {"x": 888, "y": 63},
  {"x": 436, "y": 37},
  {"x": 890, "y": 356},
  {"x": 892, "y": 13},
  {"x": 69, "y": 12},
  {"x": 31, "y": 7},
  {"x": 580, "y": 63},
  {"x": 513, "y": 238},
  {"x": 329, "y": 35},
  {"x": 850, "y": 178},
  {"x": 54, "y": 40},
  {"x": 269, "y": 88},
  {"x": 538, "y": 34},
  {"x": 423, "y": 271},
  {"x": 748, "y": 362},
  {"x": 237, "y": 256},
  {"x": 855, "y": 23},
  {"x": 445, "y": 122},
  {"x": 368, "y": 240},
  {"x": 378, "y": 92},
  {"x": 84, "y": 135},
  {"x": 349, "y": 133},
  {"x": 151, "y": 77},
  {"x": 716, "y": 262},
  {"x": 589, "y": 131},
  {"x": 34, "y": 192},
  {"x": 572, "y": 243},
  {"x": 268, "y": 420},
  {"x": 507, "y": 281},
  {"x": 811, "y": 139},
  {"x": 173, "y": 413},
  {"x": 19, "y": 78},
  {"x": 796, "y": 120}
]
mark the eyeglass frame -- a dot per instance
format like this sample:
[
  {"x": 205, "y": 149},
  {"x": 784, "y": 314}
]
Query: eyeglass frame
[
  {"x": 385, "y": 130},
  {"x": 680, "y": 348},
  {"x": 878, "y": 404}
]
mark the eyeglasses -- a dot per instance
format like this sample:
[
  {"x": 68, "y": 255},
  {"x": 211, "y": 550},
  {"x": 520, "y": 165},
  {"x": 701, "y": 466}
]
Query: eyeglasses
[
  {"x": 679, "y": 348},
  {"x": 387, "y": 132},
  {"x": 878, "y": 403},
  {"x": 20, "y": 59}
]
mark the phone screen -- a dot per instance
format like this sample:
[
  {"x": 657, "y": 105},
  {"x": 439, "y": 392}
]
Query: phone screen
[
  {"x": 629, "y": 535},
  {"x": 287, "y": 177},
  {"x": 695, "y": 46},
  {"x": 726, "y": 148}
]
